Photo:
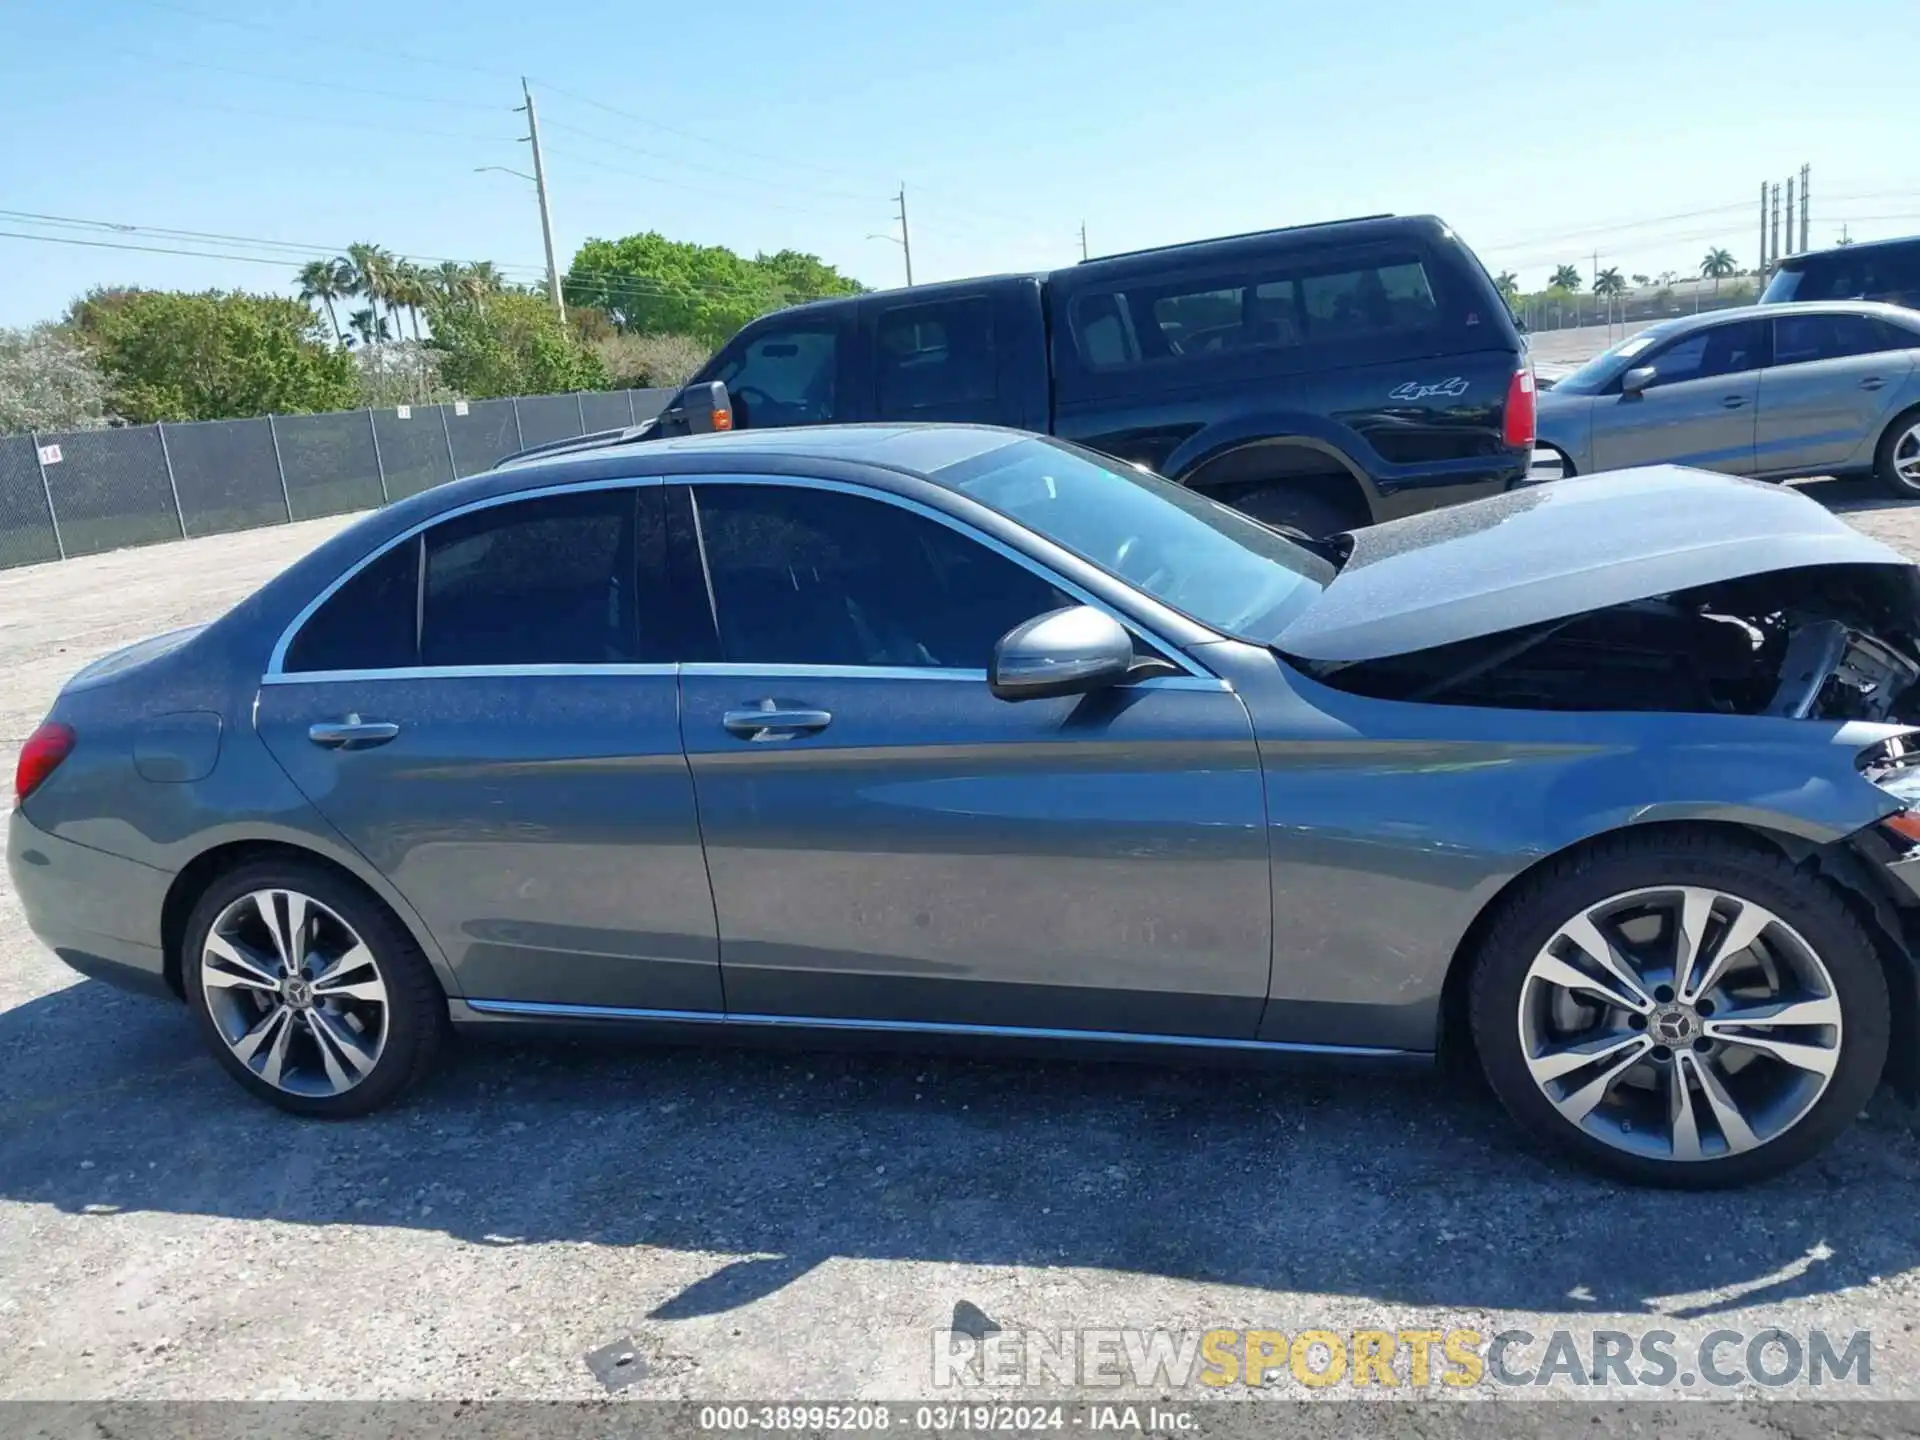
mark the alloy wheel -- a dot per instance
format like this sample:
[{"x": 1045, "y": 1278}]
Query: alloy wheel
[
  {"x": 1680, "y": 1023},
  {"x": 295, "y": 993},
  {"x": 1906, "y": 458}
]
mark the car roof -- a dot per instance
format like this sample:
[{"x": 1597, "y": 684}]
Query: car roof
[
  {"x": 1876, "y": 309},
  {"x": 1854, "y": 247},
  {"x": 912, "y": 449}
]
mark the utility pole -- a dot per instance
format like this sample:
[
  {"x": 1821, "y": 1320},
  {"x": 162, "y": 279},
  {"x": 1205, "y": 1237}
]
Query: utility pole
[
  {"x": 1594, "y": 279},
  {"x": 1806, "y": 192},
  {"x": 906, "y": 239},
  {"x": 1083, "y": 239},
  {"x": 1762, "y": 272},
  {"x": 546, "y": 214},
  {"x": 1774, "y": 224},
  {"x": 1789, "y": 215}
]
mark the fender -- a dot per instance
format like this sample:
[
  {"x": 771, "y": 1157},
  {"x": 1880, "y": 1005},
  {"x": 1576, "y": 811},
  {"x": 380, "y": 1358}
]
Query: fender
[{"x": 1311, "y": 432}]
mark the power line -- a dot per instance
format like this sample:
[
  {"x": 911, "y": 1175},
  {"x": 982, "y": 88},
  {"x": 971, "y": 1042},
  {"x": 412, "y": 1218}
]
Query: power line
[{"x": 552, "y": 124}]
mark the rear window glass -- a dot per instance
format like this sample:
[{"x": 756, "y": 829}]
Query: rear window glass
[
  {"x": 1858, "y": 273},
  {"x": 1284, "y": 306}
]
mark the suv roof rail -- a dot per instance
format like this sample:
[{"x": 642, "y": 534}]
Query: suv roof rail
[
  {"x": 597, "y": 440},
  {"x": 1243, "y": 235}
]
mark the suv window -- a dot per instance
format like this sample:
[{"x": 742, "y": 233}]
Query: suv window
[
  {"x": 930, "y": 357},
  {"x": 783, "y": 377},
  {"x": 1281, "y": 306},
  {"x": 1858, "y": 273},
  {"x": 1798, "y": 339},
  {"x": 803, "y": 576},
  {"x": 1723, "y": 350},
  {"x": 367, "y": 624},
  {"x": 538, "y": 582}
]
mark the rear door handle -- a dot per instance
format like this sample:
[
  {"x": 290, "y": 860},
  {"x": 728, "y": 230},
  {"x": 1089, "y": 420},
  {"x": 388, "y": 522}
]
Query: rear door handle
[
  {"x": 1872, "y": 382},
  {"x": 352, "y": 733},
  {"x": 769, "y": 721},
  {"x": 1734, "y": 402}
]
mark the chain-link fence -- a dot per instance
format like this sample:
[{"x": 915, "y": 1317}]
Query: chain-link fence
[{"x": 83, "y": 491}]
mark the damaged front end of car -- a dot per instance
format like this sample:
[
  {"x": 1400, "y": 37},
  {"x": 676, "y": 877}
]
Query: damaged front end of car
[{"x": 1823, "y": 642}]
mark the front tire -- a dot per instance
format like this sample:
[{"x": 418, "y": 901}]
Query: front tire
[
  {"x": 308, "y": 991},
  {"x": 1680, "y": 1010}
]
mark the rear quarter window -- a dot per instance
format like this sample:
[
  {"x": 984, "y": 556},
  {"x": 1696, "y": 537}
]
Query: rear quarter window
[{"x": 1284, "y": 312}]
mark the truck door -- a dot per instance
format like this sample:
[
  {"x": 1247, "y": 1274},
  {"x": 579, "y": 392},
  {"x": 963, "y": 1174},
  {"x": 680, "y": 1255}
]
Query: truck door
[{"x": 936, "y": 358}]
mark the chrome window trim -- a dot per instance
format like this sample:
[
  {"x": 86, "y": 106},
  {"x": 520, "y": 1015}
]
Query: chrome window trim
[
  {"x": 957, "y": 525},
  {"x": 277, "y": 674},
  {"x": 724, "y": 669},
  {"x": 461, "y": 672},
  {"x": 277, "y": 660},
  {"x": 540, "y": 1009}
]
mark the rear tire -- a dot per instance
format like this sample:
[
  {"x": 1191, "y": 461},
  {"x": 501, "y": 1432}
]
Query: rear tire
[
  {"x": 308, "y": 990},
  {"x": 1896, "y": 463},
  {"x": 1680, "y": 1094},
  {"x": 1297, "y": 509}
]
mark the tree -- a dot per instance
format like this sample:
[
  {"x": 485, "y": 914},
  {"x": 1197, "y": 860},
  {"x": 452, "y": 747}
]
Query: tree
[
  {"x": 218, "y": 355},
  {"x": 1566, "y": 278},
  {"x": 48, "y": 381},
  {"x": 1508, "y": 284},
  {"x": 1608, "y": 282},
  {"x": 411, "y": 287},
  {"x": 327, "y": 281},
  {"x": 652, "y": 285},
  {"x": 509, "y": 344},
  {"x": 639, "y": 361},
  {"x": 372, "y": 270},
  {"x": 1642, "y": 281},
  {"x": 370, "y": 325},
  {"x": 1716, "y": 266}
]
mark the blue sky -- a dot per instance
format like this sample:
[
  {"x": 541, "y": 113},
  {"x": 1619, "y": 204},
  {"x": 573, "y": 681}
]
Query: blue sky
[{"x": 1540, "y": 131}]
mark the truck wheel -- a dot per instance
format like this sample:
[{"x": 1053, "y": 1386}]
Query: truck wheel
[{"x": 1298, "y": 509}]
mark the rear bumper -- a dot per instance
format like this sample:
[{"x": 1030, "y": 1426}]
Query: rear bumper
[{"x": 98, "y": 912}]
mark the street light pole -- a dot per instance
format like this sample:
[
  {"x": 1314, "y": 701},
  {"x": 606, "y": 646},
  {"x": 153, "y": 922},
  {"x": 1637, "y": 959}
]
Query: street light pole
[{"x": 546, "y": 214}]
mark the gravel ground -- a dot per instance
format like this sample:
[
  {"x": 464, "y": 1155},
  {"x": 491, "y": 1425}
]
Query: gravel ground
[{"x": 765, "y": 1224}]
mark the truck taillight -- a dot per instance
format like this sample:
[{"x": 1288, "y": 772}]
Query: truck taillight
[
  {"x": 40, "y": 757},
  {"x": 1518, "y": 427}
]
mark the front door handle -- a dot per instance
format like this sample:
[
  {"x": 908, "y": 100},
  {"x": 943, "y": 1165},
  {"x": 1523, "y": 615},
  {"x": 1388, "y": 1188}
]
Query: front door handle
[
  {"x": 1872, "y": 382},
  {"x": 352, "y": 733},
  {"x": 771, "y": 721},
  {"x": 1734, "y": 402}
]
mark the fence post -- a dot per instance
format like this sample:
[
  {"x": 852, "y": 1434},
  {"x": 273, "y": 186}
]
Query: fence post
[
  {"x": 446, "y": 431},
  {"x": 630, "y": 411},
  {"x": 519, "y": 435},
  {"x": 53, "y": 515},
  {"x": 167, "y": 456},
  {"x": 580, "y": 404},
  {"x": 378, "y": 464},
  {"x": 286, "y": 498}
]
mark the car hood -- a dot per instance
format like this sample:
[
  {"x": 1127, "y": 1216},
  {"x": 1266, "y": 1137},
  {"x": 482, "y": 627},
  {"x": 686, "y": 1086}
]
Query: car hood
[{"x": 1549, "y": 551}]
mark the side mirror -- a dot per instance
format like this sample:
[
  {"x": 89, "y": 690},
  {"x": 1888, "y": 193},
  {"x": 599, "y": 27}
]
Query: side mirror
[
  {"x": 1637, "y": 379},
  {"x": 1064, "y": 652},
  {"x": 708, "y": 408}
]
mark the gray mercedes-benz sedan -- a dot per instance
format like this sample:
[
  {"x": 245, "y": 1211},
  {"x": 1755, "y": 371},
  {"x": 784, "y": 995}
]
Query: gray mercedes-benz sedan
[
  {"x": 946, "y": 734},
  {"x": 1769, "y": 391}
]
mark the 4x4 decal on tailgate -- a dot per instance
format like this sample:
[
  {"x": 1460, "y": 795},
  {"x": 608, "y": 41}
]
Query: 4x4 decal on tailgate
[{"x": 1414, "y": 390}]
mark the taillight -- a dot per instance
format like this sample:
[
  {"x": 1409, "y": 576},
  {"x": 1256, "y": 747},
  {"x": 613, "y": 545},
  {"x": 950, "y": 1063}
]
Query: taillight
[
  {"x": 1517, "y": 428},
  {"x": 40, "y": 757}
]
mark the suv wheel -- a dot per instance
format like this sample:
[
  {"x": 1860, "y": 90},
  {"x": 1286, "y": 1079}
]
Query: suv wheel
[
  {"x": 1680, "y": 1010},
  {"x": 1304, "y": 510},
  {"x": 308, "y": 991}
]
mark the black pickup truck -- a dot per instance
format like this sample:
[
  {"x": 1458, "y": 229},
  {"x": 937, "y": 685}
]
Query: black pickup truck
[{"x": 1320, "y": 377}]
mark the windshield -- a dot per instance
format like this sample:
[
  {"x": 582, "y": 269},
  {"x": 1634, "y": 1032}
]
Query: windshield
[
  {"x": 1193, "y": 554},
  {"x": 1785, "y": 285},
  {"x": 1592, "y": 377}
]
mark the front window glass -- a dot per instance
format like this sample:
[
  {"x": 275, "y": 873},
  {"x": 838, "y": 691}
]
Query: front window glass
[
  {"x": 782, "y": 377},
  {"x": 1594, "y": 376},
  {"x": 1191, "y": 553}
]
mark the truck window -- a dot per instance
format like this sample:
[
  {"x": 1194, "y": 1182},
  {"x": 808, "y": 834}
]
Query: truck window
[
  {"x": 1288, "y": 306},
  {"x": 931, "y": 358},
  {"x": 782, "y": 377}
]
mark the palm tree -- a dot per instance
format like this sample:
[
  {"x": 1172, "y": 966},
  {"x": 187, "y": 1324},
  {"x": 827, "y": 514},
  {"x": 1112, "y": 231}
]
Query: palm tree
[
  {"x": 1565, "y": 278},
  {"x": 488, "y": 276},
  {"x": 373, "y": 274},
  {"x": 410, "y": 287},
  {"x": 1608, "y": 282},
  {"x": 1717, "y": 265},
  {"x": 369, "y": 325},
  {"x": 450, "y": 276},
  {"x": 1508, "y": 284},
  {"x": 326, "y": 281}
]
